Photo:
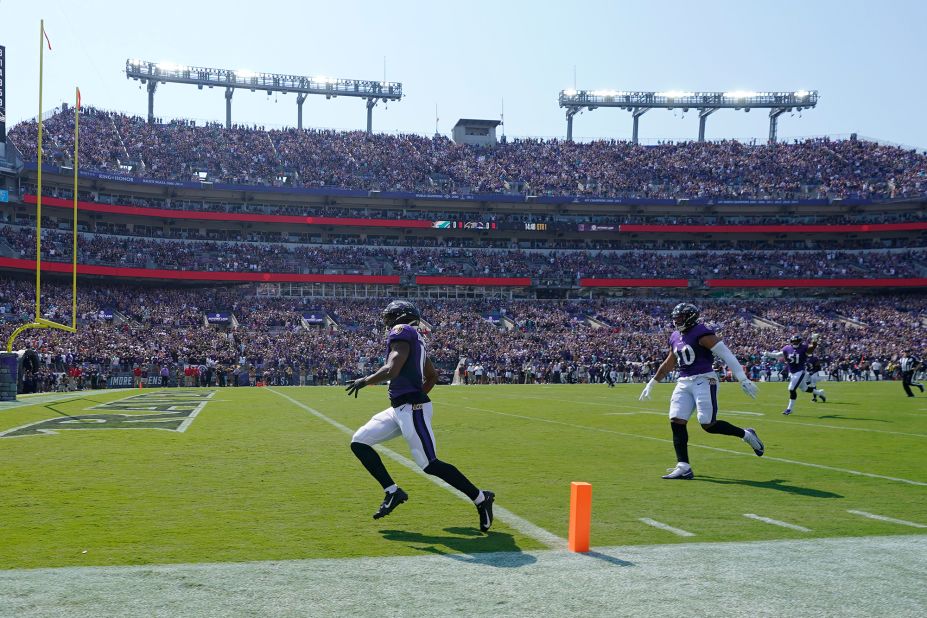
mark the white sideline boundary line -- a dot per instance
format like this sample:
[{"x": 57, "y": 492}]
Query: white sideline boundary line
[
  {"x": 703, "y": 446},
  {"x": 890, "y": 520},
  {"x": 776, "y": 522},
  {"x": 667, "y": 527},
  {"x": 520, "y": 524}
]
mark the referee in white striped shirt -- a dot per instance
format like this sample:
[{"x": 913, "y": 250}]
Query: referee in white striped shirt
[{"x": 909, "y": 365}]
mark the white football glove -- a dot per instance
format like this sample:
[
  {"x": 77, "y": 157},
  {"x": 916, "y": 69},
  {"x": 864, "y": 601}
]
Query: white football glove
[
  {"x": 815, "y": 337},
  {"x": 645, "y": 395},
  {"x": 749, "y": 388}
]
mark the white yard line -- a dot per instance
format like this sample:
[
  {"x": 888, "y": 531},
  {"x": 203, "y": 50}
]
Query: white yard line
[
  {"x": 38, "y": 399},
  {"x": 890, "y": 520},
  {"x": 667, "y": 527},
  {"x": 711, "y": 448},
  {"x": 501, "y": 513},
  {"x": 776, "y": 522}
]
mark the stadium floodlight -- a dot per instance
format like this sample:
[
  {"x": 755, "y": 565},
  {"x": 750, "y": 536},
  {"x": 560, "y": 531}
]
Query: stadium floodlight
[
  {"x": 675, "y": 94},
  {"x": 152, "y": 73},
  {"x": 740, "y": 94},
  {"x": 165, "y": 65},
  {"x": 639, "y": 102}
]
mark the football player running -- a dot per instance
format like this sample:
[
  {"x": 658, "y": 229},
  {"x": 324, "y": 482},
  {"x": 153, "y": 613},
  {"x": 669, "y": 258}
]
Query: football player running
[
  {"x": 796, "y": 355},
  {"x": 812, "y": 379},
  {"x": 411, "y": 376},
  {"x": 693, "y": 347}
]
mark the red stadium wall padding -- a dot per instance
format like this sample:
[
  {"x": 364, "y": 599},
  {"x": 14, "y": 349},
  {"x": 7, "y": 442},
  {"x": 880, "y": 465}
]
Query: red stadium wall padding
[
  {"x": 773, "y": 229},
  {"x": 816, "y": 283},
  {"x": 195, "y": 275},
  {"x": 485, "y": 281},
  {"x": 633, "y": 283},
  {"x": 167, "y": 213}
]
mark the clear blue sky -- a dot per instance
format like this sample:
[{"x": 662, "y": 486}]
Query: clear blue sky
[{"x": 865, "y": 58}]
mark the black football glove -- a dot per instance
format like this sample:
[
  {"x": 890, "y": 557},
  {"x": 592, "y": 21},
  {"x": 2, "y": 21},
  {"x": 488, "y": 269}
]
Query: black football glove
[{"x": 355, "y": 386}]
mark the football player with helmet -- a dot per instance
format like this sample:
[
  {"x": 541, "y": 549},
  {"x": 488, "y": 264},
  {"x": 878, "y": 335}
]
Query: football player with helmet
[
  {"x": 693, "y": 347},
  {"x": 411, "y": 377},
  {"x": 796, "y": 354}
]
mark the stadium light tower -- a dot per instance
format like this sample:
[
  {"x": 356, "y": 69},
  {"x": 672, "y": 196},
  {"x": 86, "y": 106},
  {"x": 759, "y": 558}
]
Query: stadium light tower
[
  {"x": 154, "y": 73},
  {"x": 707, "y": 103}
]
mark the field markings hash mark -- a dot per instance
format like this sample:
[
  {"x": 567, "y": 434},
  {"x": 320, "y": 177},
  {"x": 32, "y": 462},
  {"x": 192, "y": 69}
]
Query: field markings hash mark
[
  {"x": 520, "y": 524},
  {"x": 667, "y": 527},
  {"x": 776, "y": 522},
  {"x": 890, "y": 520},
  {"x": 704, "y": 446}
]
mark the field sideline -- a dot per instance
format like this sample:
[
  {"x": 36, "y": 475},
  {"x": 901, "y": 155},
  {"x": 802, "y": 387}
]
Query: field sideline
[{"x": 246, "y": 476}]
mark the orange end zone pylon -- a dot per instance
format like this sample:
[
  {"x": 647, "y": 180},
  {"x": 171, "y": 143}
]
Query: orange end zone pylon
[{"x": 580, "y": 516}]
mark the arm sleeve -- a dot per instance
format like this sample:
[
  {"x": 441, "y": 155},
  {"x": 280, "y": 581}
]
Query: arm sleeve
[{"x": 721, "y": 351}]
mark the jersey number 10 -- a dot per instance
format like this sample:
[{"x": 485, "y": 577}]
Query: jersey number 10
[{"x": 684, "y": 355}]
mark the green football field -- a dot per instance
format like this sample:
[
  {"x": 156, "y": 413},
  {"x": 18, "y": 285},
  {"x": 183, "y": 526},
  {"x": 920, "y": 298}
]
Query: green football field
[{"x": 249, "y": 474}]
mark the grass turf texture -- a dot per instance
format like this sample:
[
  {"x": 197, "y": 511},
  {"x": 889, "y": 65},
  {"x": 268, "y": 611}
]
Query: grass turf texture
[{"x": 255, "y": 477}]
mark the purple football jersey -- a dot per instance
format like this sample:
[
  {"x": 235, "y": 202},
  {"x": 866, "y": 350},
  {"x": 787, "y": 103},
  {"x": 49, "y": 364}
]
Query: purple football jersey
[
  {"x": 691, "y": 358},
  {"x": 407, "y": 386},
  {"x": 796, "y": 356}
]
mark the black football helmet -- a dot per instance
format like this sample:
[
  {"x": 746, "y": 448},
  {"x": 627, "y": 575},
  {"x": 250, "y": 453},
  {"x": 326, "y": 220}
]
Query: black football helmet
[
  {"x": 685, "y": 316},
  {"x": 400, "y": 312},
  {"x": 796, "y": 339}
]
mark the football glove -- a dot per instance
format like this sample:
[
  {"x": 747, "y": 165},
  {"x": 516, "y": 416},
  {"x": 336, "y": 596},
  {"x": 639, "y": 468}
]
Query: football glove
[
  {"x": 749, "y": 388},
  {"x": 645, "y": 395},
  {"x": 355, "y": 386},
  {"x": 815, "y": 337}
]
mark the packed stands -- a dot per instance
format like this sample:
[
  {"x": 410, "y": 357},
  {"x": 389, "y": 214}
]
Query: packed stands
[
  {"x": 123, "y": 327},
  {"x": 184, "y": 151}
]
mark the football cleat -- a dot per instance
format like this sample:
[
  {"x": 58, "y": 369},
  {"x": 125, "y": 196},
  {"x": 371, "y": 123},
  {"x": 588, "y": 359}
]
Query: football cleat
[
  {"x": 753, "y": 440},
  {"x": 787, "y": 411},
  {"x": 920, "y": 386},
  {"x": 679, "y": 473},
  {"x": 390, "y": 502},
  {"x": 484, "y": 509},
  {"x": 823, "y": 398}
]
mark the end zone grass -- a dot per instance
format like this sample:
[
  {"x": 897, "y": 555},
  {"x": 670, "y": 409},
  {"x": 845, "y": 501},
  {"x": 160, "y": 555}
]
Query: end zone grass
[{"x": 255, "y": 477}]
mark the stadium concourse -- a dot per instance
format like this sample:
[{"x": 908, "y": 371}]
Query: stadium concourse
[{"x": 267, "y": 255}]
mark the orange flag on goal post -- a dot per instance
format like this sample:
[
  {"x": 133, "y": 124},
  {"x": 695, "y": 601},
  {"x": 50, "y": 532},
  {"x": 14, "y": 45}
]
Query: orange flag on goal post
[{"x": 46, "y": 36}]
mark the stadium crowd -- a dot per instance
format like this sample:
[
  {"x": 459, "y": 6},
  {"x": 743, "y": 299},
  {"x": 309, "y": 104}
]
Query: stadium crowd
[
  {"x": 561, "y": 221},
  {"x": 184, "y": 151},
  {"x": 558, "y": 265},
  {"x": 163, "y": 332}
]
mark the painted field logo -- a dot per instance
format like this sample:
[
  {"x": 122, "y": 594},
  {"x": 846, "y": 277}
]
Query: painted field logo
[{"x": 171, "y": 411}]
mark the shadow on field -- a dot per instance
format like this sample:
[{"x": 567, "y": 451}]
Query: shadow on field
[
  {"x": 777, "y": 484},
  {"x": 853, "y": 418},
  {"x": 609, "y": 559},
  {"x": 469, "y": 545}
]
